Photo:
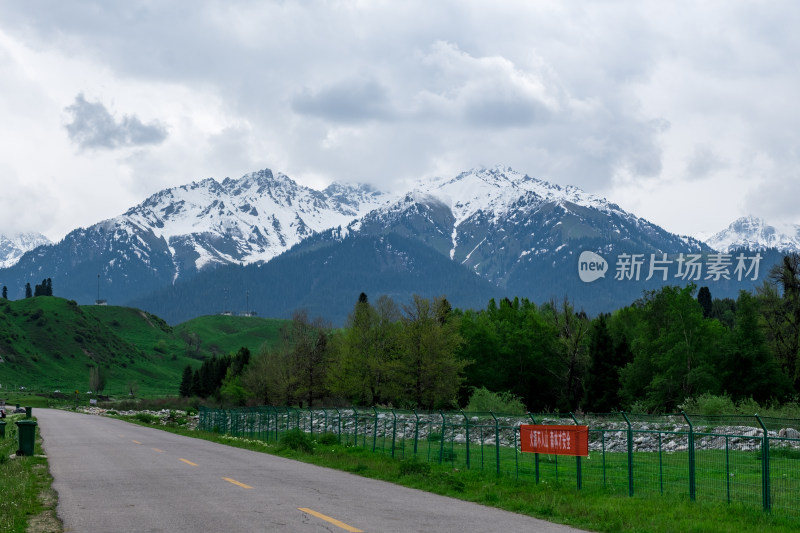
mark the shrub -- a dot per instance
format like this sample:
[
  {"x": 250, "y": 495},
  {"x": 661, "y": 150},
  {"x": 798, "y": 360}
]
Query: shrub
[
  {"x": 451, "y": 482},
  {"x": 484, "y": 400},
  {"x": 708, "y": 404},
  {"x": 328, "y": 439},
  {"x": 414, "y": 468},
  {"x": 298, "y": 440},
  {"x": 147, "y": 418},
  {"x": 449, "y": 456}
]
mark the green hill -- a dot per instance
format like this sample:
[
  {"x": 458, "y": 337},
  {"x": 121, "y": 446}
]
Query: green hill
[{"x": 49, "y": 344}]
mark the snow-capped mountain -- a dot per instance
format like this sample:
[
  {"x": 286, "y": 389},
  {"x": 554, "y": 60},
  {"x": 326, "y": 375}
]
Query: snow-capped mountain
[
  {"x": 247, "y": 220},
  {"x": 756, "y": 234},
  {"x": 183, "y": 250},
  {"x": 12, "y": 247},
  {"x": 180, "y": 231},
  {"x": 496, "y": 221}
]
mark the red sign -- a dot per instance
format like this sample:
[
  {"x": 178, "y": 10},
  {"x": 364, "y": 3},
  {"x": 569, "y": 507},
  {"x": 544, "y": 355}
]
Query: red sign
[{"x": 555, "y": 440}]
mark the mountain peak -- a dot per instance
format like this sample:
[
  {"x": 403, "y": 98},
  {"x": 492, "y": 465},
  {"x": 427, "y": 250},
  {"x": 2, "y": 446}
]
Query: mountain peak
[
  {"x": 13, "y": 246},
  {"x": 756, "y": 233}
]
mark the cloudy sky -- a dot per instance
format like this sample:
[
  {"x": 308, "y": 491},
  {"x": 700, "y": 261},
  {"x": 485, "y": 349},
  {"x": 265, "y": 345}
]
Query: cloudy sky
[{"x": 684, "y": 113}]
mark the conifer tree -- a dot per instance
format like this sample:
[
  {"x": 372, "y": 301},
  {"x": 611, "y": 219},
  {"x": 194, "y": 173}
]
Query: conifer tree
[
  {"x": 704, "y": 299},
  {"x": 185, "y": 388},
  {"x": 28, "y": 291},
  {"x": 5, "y": 292}
]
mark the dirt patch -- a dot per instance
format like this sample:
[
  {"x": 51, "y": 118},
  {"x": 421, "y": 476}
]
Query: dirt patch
[
  {"x": 147, "y": 319},
  {"x": 47, "y": 521}
]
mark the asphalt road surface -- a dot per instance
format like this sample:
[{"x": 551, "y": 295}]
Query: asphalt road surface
[{"x": 112, "y": 476}]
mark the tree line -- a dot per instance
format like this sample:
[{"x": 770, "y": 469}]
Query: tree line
[
  {"x": 671, "y": 344},
  {"x": 43, "y": 289}
]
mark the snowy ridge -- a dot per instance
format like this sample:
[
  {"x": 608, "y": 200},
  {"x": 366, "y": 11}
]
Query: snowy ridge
[
  {"x": 12, "y": 247},
  {"x": 247, "y": 220},
  {"x": 496, "y": 189},
  {"x": 496, "y": 221},
  {"x": 756, "y": 234}
]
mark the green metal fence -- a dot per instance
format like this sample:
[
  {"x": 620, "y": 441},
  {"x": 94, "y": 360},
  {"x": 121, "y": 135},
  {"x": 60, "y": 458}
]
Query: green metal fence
[{"x": 749, "y": 460}]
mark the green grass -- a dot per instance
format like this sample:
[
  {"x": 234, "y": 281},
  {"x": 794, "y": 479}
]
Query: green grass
[
  {"x": 49, "y": 344},
  {"x": 25, "y": 493},
  {"x": 226, "y": 334},
  {"x": 594, "y": 508}
]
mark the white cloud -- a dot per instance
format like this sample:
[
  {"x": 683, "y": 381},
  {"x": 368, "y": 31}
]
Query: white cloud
[{"x": 640, "y": 101}]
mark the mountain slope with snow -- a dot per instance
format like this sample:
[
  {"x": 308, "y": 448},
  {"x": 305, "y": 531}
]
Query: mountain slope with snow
[
  {"x": 12, "y": 247},
  {"x": 756, "y": 234},
  {"x": 496, "y": 221},
  {"x": 247, "y": 220},
  {"x": 180, "y": 231}
]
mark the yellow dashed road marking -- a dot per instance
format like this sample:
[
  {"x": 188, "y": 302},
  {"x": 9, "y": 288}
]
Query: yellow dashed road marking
[
  {"x": 136, "y": 442},
  {"x": 157, "y": 450},
  {"x": 229, "y": 480},
  {"x": 330, "y": 520},
  {"x": 188, "y": 462}
]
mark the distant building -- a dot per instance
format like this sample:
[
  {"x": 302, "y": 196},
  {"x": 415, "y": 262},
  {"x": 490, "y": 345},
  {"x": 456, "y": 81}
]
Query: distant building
[{"x": 100, "y": 302}]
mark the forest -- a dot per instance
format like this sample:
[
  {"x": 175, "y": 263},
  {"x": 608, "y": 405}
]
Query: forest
[{"x": 670, "y": 345}]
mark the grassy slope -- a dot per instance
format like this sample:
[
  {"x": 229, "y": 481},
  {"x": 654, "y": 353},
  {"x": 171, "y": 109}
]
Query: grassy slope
[
  {"x": 226, "y": 334},
  {"x": 48, "y": 344}
]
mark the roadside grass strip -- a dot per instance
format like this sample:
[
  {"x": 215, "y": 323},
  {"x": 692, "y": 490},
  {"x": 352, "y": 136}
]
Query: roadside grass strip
[{"x": 26, "y": 496}]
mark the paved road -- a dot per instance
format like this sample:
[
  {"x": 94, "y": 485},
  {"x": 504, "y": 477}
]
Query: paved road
[{"x": 112, "y": 476}]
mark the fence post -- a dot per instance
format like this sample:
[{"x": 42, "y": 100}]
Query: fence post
[
  {"x": 339, "y": 423},
  {"x": 577, "y": 457},
  {"x": 630, "y": 454},
  {"x": 375, "y": 429},
  {"x": 536, "y": 455},
  {"x": 355, "y": 427},
  {"x": 441, "y": 441},
  {"x": 496, "y": 441},
  {"x": 765, "y": 488},
  {"x": 692, "y": 483},
  {"x": 466, "y": 425},
  {"x": 416, "y": 432},
  {"x": 394, "y": 431}
]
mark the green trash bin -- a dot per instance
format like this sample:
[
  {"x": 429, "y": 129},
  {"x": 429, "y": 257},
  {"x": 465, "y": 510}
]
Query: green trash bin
[
  {"x": 27, "y": 436},
  {"x": 2, "y": 429},
  {"x": 28, "y": 412}
]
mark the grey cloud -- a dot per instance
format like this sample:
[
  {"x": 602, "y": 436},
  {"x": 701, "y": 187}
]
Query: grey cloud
[
  {"x": 347, "y": 102},
  {"x": 703, "y": 162},
  {"x": 93, "y": 127},
  {"x": 492, "y": 112}
]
